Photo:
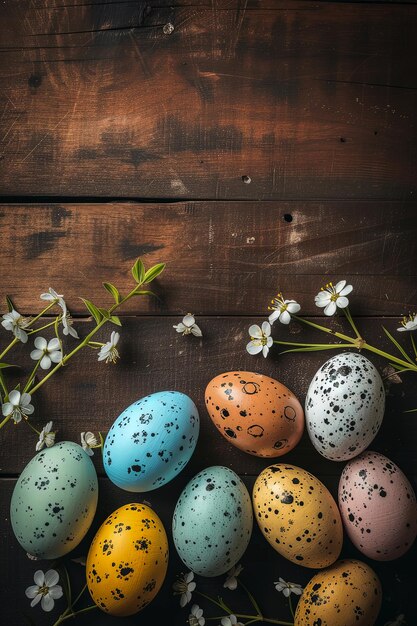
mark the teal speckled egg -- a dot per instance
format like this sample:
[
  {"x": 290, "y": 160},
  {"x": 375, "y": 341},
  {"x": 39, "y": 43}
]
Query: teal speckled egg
[
  {"x": 54, "y": 501},
  {"x": 212, "y": 522}
]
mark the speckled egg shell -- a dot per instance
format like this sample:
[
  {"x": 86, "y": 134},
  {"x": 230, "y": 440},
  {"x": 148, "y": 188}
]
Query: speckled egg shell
[
  {"x": 54, "y": 501},
  {"x": 212, "y": 522},
  {"x": 151, "y": 441},
  {"x": 346, "y": 594},
  {"x": 298, "y": 516},
  {"x": 255, "y": 413},
  {"x": 344, "y": 406},
  {"x": 127, "y": 560},
  {"x": 378, "y": 507}
]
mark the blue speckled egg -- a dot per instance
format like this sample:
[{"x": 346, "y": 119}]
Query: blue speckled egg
[
  {"x": 54, "y": 501},
  {"x": 151, "y": 441},
  {"x": 212, "y": 522}
]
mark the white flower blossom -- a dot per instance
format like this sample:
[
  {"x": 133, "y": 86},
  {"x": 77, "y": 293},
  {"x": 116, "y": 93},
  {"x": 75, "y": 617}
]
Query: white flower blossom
[
  {"x": 46, "y": 437},
  {"x": 188, "y": 326},
  {"x": 230, "y": 621},
  {"x": 282, "y": 309},
  {"x": 88, "y": 441},
  {"x": 109, "y": 352},
  {"x": 261, "y": 339},
  {"x": 67, "y": 327},
  {"x": 16, "y": 323},
  {"x": 53, "y": 296},
  {"x": 288, "y": 588},
  {"x": 196, "y": 616},
  {"x": 47, "y": 352},
  {"x": 45, "y": 590},
  {"x": 232, "y": 574},
  {"x": 184, "y": 586},
  {"x": 408, "y": 323},
  {"x": 18, "y": 406},
  {"x": 331, "y": 297}
]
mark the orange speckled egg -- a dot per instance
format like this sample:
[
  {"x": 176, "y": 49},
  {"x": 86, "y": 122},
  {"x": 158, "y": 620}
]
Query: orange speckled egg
[
  {"x": 346, "y": 594},
  {"x": 255, "y": 413},
  {"x": 127, "y": 560},
  {"x": 298, "y": 516}
]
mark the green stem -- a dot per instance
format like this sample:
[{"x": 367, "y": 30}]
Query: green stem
[
  {"x": 45, "y": 310},
  {"x": 4, "y": 422},
  {"x": 413, "y": 344},
  {"x": 3, "y": 384},
  {"x": 390, "y": 357},
  {"x": 9, "y": 347},
  {"x": 32, "y": 375},
  {"x": 32, "y": 427},
  {"x": 351, "y": 322},
  {"x": 36, "y": 330},
  {"x": 268, "y": 620},
  {"x": 66, "y": 615},
  {"x": 203, "y": 595},
  {"x": 290, "y": 603},
  {"x": 325, "y": 330},
  {"x": 251, "y": 598}
]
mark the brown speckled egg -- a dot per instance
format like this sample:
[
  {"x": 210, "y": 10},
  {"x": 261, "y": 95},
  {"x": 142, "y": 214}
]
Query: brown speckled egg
[
  {"x": 378, "y": 507},
  {"x": 255, "y": 413},
  {"x": 298, "y": 516},
  {"x": 346, "y": 594}
]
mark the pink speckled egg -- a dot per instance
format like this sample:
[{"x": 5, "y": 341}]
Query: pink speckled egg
[{"x": 378, "y": 507}]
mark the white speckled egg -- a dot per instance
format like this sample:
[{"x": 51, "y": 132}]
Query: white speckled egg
[
  {"x": 54, "y": 501},
  {"x": 378, "y": 507},
  {"x": 212, "y": 522},
  {"x": 344, "y": 406}
]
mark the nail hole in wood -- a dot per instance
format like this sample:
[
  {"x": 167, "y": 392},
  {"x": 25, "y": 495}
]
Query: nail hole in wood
[
  {"x": 342, "y": 139},
  {"x": 246, "y": 179},
  {"x": 287, "y": 217},
  {"x": 375, "y": 132}
]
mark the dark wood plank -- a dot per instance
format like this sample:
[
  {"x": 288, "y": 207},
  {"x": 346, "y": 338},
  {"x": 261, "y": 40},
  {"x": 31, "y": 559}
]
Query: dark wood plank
[
  {"x": 305, "y": 99},
  {"x": 222, "y": 258},
  {"x": 88, "y": 395}
]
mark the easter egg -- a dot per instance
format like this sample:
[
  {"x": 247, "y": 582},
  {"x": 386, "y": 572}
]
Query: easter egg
[
  {"x": 127, "y": 561},
  {"x": 346, "y": 594},
  {"x": 54, "y": 501},
  {"x": 151, "y": 441},
  {"x": 297, "y": 515},
  {"x": 255, "y": 413},
  {"x": 344, "y": 406},
  {"x": 212, "y": 521},
  {"x": 378, "y": 507}
]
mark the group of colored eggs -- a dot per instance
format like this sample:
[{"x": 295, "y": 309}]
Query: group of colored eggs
[{"x": 55, "y": 498}]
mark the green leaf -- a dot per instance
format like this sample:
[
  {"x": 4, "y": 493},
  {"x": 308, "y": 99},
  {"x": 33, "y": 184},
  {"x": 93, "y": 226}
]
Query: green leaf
[
  {"x": 4, "y": 365},
  {"x": 95, "y": 312},
  {"x": 142, "y": 292},
  {"x": 66, "y": 585},
  {"x": 411, "y": 411},
  {"x": 138, "y": 271},
  {"x": 114, "y": 292},
  {"x": 153, "y": 272},
  {"x": 395, "y": 342},
  {"x": 115, "y": 320},
  {"x": 9, "y": 304},
  {"x": 105, "y": 313}
]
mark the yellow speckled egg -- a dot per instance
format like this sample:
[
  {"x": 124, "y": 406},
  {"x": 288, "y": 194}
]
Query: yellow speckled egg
[
  {"x": 346, "y": 594},
  {"x": 297, "y": 515},
  {"x": 127, "y": 560}
]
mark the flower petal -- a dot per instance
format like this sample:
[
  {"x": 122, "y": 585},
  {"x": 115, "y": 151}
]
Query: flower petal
[
  {"x": 254, "y": 348},
  {"x": 56, "y": 592},
  {"x": 54, "y": 344},
  {"x": 39, "y": 577},
  {"x": 36, "y": 354},
  {"x": 179, "y": 327},
  {"x": 28, "y": 409},
  {"x": 35, "y": 600},
  {"x": 293, "y": 307},
  {"x": 45, "y": 362},
  {"x": 189, "y": 577},
  {"x": 7, "y": 408},
  {"x": 265, "y": 351},
  {"x": 51, "y": 578},
  {"x": 255, "y": 331},
  {"x": 285, "y": 317},
  {"x": 346, "y": 290},
  {"x": 339, "y": 286},
  {"x": 342, "y": 302},
  {"x": 196, "y": 331},
  {"x": 274, "y": 316},
  {"x": 266, "y": 328},
  {"x": 56, "y": 356},
  {"x": 32, "y": 591},
  {"x": 330, "y": 308},
  {"x": 25, "y": 399},
  {"x": 14, "y": 397},
  {"x": 41, "y": 343},
  {"x": 188, "y": 320},
  {"x": 47, "y": 603}
]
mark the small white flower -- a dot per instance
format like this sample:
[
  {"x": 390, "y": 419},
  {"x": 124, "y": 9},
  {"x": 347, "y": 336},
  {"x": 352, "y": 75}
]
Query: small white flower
[
  {"x": 184, "y": 586},
  {"x": 261, "y": 339},
  {"x": 232, "y": 574},
  {"x": 282, "y": 309},
  {"x": 188, "y": 326},
  {"x": 67, "y": 326},
  {"x": 331, "y": 297},
  {"x": 16, "y": 323},
  {"x": 230, "y": 621},
  {"x": 288, "y": 588},
  {"x": 18, "y": 406},
  {"x": 88, "y": 441},
  {"x": 48, "y": 352},
  {"x": 408, "y": 323},
  {"x": 109, "y": 352},
  {"x": 32, "y": 557},
  {"x": 53, "y": 296},
  {"x": 45, "y": 590},
  {"x": 46, "y": 437},
  {"x": 196, "y": 616}
]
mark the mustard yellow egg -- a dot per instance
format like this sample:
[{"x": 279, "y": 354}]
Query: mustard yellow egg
[
  {"x": 346, "y": 594},
  {"x": 127, "y": 560},
  {"x": 298, "y": 516}
]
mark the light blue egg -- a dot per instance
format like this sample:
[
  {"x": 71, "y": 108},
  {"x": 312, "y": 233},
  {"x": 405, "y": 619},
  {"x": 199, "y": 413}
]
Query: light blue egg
[
  {"x": 212, "y": 522},
  {"x": 54, "y": 501},
  {"x": 151, "y": 441}
]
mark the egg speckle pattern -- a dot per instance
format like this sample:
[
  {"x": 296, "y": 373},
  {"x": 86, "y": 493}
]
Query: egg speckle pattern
[
  {"x": 346, "y": 594},
  {"x": 344, "y": 406},
  {"x": 255, "y": 413},
  {"x": 298, "y": 516},
  {"x": 151, "y": 441},
  {"x": 127, "y": 560},
  {"x": 54, "y": 501},
  {"x": 212, "y": 522},
  {"x": 378, "y": 507}
]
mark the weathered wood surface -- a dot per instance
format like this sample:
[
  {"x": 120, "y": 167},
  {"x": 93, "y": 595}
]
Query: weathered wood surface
[
  {"x": 298, "y": 99},
  {"x": 222, "y": 258}
]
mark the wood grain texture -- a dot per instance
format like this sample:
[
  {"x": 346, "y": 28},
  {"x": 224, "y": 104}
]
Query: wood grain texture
[
  {"x": 222, "y": 258},
  {"x": 305, "y": 99}
]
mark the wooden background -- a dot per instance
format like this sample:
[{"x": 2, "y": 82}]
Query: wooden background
[{"x": 261, "y": 145}]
